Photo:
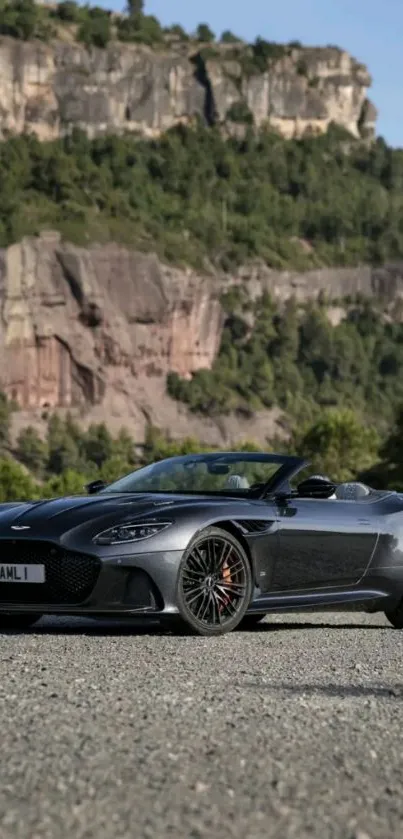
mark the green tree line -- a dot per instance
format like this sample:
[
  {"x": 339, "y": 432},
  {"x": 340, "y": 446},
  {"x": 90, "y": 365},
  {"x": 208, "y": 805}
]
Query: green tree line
[
  {"x": 68, "y": 457},
  {"x": 95, "y": 25},
  {"x": 337, "y": 443},
  {"x": 199, "y": 199}
]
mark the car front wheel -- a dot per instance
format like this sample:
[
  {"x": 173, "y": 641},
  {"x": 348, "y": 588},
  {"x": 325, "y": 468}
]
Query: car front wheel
[{"x": 215, "y": 583}]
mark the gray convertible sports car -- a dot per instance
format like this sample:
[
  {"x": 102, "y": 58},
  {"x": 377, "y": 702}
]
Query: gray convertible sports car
[{"x": 206, "y": 542}]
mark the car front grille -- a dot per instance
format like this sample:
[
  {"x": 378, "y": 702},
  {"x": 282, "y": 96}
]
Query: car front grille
[{"x": 69, "y": 576}]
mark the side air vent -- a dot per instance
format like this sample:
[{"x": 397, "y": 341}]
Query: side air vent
[{"x": 254, "y": 525}]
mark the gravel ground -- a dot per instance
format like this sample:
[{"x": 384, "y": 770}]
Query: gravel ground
[{"x": 292, "y": 730}]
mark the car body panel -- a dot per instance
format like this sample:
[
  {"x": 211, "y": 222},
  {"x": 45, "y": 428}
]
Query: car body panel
[{"x": 323, "y": 542}]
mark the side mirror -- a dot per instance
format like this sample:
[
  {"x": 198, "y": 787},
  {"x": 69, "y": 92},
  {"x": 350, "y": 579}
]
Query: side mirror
[
  {"x": 95, "y": 486},
  {"x": 315, "y": 488}
]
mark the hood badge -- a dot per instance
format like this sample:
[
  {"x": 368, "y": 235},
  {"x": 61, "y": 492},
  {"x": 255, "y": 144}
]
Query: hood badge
[{"x": 20, "y": 527}]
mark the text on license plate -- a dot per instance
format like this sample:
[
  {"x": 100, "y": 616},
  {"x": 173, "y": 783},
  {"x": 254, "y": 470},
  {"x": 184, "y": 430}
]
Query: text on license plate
[{"x": 22, "y": 573}]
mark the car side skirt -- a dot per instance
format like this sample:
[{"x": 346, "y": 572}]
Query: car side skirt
[{"x": 373, "y": 595}]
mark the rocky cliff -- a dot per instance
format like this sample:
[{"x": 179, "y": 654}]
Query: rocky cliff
[
  {"x": 50, "y": 88},
  {"x": 96, "y": 331}
]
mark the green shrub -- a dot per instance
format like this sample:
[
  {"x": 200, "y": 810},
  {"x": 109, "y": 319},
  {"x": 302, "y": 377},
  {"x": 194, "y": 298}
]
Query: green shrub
[
  {"x": 68, "y": 11},
  {"x": 228, "y": 37},
  {"x": 239, "y": 113},
  {"x": 204, "y": 33},
  {"x": 144, "y": 29},
  {"x": 95, "y": 30}
]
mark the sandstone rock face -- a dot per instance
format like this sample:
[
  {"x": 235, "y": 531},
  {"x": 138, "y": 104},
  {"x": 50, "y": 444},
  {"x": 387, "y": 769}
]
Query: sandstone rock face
[
  {"x": 69, "y": 315},
  {"x": 302, "y": 93},
  {"x": 385, "y": 283},
  {"x": 97, "y": 330},
  {"x": 49, "y": 89}
]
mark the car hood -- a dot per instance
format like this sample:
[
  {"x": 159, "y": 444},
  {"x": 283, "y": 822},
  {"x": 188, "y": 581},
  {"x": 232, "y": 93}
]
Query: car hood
[{"x": 53, "y": 517}]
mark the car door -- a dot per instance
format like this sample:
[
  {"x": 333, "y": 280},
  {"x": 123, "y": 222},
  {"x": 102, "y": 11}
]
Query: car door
[{"x": 324, "y": 542}]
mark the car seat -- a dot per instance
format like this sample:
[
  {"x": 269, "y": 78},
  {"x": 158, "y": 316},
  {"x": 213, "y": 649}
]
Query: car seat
[
  {"x": 236, "y": 482},
  {"x": 351, "y": 491}
]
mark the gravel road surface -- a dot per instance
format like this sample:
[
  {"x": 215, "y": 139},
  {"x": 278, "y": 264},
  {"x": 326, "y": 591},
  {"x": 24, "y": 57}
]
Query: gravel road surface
[{"x": 291, "y": 730}]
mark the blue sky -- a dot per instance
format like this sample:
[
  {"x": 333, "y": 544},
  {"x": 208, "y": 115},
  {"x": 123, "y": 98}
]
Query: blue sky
[{"x": 372, "y": 30}]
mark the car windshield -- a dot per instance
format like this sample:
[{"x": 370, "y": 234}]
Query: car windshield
[{"x": 232, "y": 474}]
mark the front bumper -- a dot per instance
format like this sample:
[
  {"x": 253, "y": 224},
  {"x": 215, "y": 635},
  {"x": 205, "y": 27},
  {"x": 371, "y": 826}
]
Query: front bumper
[{"x": 143, "y": 584}]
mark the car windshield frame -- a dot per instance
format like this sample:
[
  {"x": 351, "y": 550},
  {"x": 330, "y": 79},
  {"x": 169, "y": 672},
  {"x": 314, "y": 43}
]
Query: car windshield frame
[{"x": 288, "y": 466}]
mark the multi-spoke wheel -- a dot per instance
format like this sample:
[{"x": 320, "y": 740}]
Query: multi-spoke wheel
[
  {"x": 214, "y": 583},
  {"x": 17, "y": 620}
]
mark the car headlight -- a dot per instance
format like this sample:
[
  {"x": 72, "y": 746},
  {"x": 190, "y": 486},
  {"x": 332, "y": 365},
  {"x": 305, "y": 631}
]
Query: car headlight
[{"x": 132, "y": 532}]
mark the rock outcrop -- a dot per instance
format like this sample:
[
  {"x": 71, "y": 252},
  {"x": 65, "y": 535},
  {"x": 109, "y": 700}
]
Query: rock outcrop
[
  {"x": 97, "y": 330},
  {"x": 51, "y": 88}
]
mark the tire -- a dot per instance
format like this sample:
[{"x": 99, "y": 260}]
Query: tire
[
  {"x": 215, "y": 584},
  {"x": 395, "y": 616},
  {"x": 250, "y": 621},
  {"x": 16, "y": 620}
]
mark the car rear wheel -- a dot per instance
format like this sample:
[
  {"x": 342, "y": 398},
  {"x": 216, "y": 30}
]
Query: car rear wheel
[
  {"x": 215, "y": 584},
  {"x": 16, "y": 620},
  {"x": 395, "y": 616}
]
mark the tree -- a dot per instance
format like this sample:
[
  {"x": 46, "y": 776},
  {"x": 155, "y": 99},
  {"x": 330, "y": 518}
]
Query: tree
[
  {"x": 228, "y": 37},
  {"x": 177, "y": 30},
  {"x": 124, "y": 447},
  {"x": 19, "y": 19},
  {"x": 113, "y": 468},
  {"x": 339, "y": 445},
  {"x": 135, "y": 7},
  {"x": 15, "y": 483},
  {"x": 5, "y": 415},
  {"x": 387, "y": 472},
  {"x": 97, "y": 444},
  {"x": 95, "y": 31},
  {"x": 63, "y": 449},
  {"x": 204, "y": 33},
  {"x": 143, "y": 29},
  {"x": 31, "y": 450},
  {"x": 69, "y": 482},
  {"x": 392, "y": 449},
  {"x": 240, "y": 112},
  {"x": 68, "y": 11}
]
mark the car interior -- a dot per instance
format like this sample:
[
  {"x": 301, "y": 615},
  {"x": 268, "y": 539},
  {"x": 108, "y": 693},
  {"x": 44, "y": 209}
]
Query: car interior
[{"x": 346, "y": 491}]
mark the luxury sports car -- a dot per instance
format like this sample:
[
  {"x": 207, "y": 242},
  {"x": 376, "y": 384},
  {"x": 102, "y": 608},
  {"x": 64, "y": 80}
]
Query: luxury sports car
[{"x": 204, "y": 542}]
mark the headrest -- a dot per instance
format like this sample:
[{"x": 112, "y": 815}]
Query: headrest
[
  {"x": 237, "y": 482},
  {"x": 351, "y": 491}
]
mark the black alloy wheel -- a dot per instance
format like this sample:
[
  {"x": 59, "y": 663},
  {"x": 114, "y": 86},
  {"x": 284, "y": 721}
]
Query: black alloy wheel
[
  {"x": 215, "y": 583},
  {"x": 17, "y": 620}
]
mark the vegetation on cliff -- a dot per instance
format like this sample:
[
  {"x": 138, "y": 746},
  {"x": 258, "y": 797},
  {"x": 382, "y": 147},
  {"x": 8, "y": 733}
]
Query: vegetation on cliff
[
  {"x": 198, "y": 198},
  {"x": 94, "y": 25},
  {"x": 91, "y": 25},
  {"x": 97, "y": 26},
  {"x": 294, "y": 357}
]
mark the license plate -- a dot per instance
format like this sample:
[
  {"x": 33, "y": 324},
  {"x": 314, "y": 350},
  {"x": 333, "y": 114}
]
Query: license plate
[{"x": 22, "y": 573}]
